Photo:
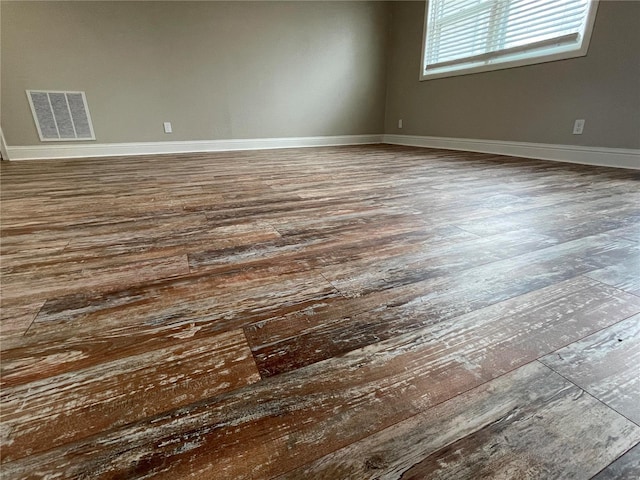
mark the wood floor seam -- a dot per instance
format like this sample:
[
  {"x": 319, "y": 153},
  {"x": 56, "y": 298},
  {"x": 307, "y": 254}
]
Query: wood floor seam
[
  {"x": 634, "y": 447},
  {"x": 636, "y": 294},
  {"x": 244, "y": 334},
  {"x": 589, "y": 393},
  {"x": 24, "y": 334},
  {"x": 332, "y": 285}
]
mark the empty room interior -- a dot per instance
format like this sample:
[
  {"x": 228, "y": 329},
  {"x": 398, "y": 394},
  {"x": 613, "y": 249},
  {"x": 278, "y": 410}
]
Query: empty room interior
[{"x": 320, "y": 239}]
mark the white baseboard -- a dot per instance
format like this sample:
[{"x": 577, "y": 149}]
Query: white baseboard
[
  {"x": 606, "y": 157},
  {"x": 82, "y": 150}
]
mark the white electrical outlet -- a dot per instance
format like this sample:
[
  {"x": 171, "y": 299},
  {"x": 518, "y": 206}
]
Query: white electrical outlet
[
  {"x": 400, "y": 123},
  {"x": 167, "y": 127},
  {"x": 578, "y": 126}
]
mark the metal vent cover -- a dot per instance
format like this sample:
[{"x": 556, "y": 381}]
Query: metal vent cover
[{"x": 61, "y": 116}]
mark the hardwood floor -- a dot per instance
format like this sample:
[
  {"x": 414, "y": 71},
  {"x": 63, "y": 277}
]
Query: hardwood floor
[{"x": 330, "y": 313}]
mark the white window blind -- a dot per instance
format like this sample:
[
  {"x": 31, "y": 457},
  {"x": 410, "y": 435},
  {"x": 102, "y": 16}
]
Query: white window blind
[{"x": 466, "y": 33}]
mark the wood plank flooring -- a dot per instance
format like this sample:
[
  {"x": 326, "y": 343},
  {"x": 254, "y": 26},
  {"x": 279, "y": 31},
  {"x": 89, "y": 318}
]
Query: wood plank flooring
[{"x": 329, "y": 313}]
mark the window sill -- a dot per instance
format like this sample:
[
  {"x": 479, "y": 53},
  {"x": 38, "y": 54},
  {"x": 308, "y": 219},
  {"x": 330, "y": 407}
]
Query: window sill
[{"x": 505, "y": 63}]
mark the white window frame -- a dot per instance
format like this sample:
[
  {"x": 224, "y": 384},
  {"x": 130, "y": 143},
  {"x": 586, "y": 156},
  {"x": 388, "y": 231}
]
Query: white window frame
[{"x": 538, "y": 54}]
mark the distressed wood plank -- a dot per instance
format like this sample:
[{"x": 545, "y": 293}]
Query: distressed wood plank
[
  {"x": 624, "y": 275},
  {"x": 334, "y": 327},
  {"x": 62, "y": 230},
  {"x": 260, "y": 231},
  {"x": 334, "y": 240},
  {"x": 626, "y": 467},
  {"x": 587, "y": 218},
  {"x": 284, "y": 422},
  {"x": 607, "y": 365},
  {"x": 631, "y": 232},
  {"x": 101, "y": 274},
  {"x": 512, "y": 427},
  {"x": 16, "y": 317},
  {"x": 571, "y": 258},
  {"x": 115, "y": 325},
  {"x": 228, "y": 299},
  {"x": 62, "y": 408},
  {"x": 382, "y": 270}
]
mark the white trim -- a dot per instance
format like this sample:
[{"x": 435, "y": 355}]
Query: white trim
[
  {"x": 606, "y": 157},
  {"x": 42, "y": 152},
  {"x": 3, "y": 146}
]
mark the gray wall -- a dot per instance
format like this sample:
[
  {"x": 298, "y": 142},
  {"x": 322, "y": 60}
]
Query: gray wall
[
  {"x": 223, "y": 70},
  {"x": 536, "y": 103},
  {"x": 216, "y": 70}
]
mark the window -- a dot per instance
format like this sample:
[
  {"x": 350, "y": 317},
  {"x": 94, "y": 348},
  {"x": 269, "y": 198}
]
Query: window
[{"x": 469, "y": 36}]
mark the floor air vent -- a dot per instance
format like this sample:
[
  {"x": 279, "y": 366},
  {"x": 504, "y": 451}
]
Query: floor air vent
[{"x": 61, "y": 116}]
